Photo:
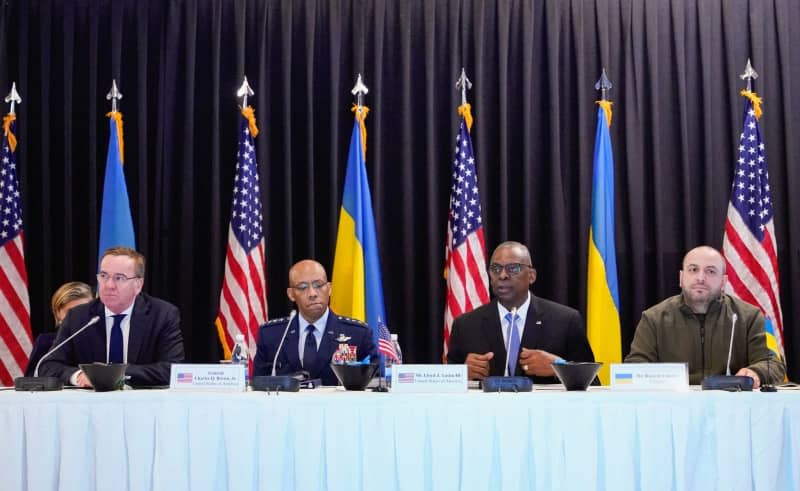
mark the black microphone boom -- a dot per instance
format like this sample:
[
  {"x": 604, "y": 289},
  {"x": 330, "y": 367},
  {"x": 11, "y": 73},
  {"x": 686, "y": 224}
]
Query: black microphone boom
[
  {"x": 731, "y": 383},
  {"x": 37, "y": 383},
  {"x": 278, "y": 383}
]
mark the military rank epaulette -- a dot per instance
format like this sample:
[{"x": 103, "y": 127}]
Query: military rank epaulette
[
  {"x": 350, "y": 320},
  {"x": 277, "y": 321}
]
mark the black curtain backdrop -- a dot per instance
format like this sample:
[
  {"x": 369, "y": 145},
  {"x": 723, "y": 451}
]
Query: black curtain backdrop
[{"x": 677, "y": 118}]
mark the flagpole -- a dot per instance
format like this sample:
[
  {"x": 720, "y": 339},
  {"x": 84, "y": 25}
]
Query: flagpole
[
  {"x": 464, "y": 240},
  {"x": 359, "y": 90},
  {"x": 464, "y": 84}
]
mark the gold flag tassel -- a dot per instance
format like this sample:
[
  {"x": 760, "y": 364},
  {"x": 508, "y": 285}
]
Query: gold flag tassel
[
  {"x": 360, "y": 117},
  {"x": 117, "y": 117},
  {"x": 755, "y": 100},
  {"x": 249, "y": 113},
  {"x": 12, "y": 140}
]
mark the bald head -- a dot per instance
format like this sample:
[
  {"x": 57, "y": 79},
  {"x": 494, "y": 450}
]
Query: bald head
[
  {"x": 306, "y": 266},
  {"x": 518, "y": 249},
  {"x": 511, "y": 274},
  {"x": 309, "y": 289},
  {"x": 706, "y": 253}
]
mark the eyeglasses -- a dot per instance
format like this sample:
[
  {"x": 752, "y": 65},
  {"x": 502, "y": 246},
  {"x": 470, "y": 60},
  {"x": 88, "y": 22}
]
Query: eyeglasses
[
  {"x": 118, "y": 278},
  {"x": 316, "y": 285},
  {"x": 512, "y": 269}
]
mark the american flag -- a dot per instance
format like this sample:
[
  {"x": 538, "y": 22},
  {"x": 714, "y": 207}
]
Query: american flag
[
  {"x": 749, "y": 244},
  {"x": 385, "y": 344},
  {"x": 15, "y": 310},
  {"x": 405, "y": 378},
  {"x": 243, "y": 302},
  {"x": 465, "y": 252}
]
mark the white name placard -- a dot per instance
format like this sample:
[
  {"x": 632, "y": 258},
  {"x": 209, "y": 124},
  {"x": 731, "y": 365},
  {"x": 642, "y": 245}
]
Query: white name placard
[
  {"x": 649, "y": 376},
  {"x": 207, "y": 377},
  {"x": 429, "y": 378}
]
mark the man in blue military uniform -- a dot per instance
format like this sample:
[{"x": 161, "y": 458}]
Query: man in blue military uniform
[{"x": 315, "y": 334}]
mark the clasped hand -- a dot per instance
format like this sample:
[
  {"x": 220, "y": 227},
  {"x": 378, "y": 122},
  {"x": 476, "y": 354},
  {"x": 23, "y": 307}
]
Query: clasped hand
[{"x": 532, "y": 362}]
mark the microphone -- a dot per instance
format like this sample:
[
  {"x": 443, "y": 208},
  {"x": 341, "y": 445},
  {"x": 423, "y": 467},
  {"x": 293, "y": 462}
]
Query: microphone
[
  {"x": 734, "y": 318},
  {"x": 278, "y": 383},
  {"x": 283, "y": 338},
  {"x": 731, "y": 383},
  {"x": 37, "y": 383},
  {"x": 510, "y": 382}
]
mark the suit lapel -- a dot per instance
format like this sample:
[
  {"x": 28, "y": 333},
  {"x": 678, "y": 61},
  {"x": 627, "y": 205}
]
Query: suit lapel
[
  {"x": 140, "y": 319},
  {"x": 533, "y": 325},
  {"x": 97, "y": 337},
  {"x": 493, "y": 336}
]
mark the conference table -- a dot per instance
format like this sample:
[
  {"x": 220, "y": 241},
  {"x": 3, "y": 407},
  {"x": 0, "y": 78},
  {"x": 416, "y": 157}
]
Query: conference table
[{"x": 332, "y": 439}]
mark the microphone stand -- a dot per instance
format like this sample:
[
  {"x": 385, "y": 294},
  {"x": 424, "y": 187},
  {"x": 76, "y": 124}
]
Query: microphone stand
[
  {"x": 37, "y": 383},
  {"x": 768, "y": 387},
  {"x": 273, "y": 382},
  {"x": 381, "y": 376}
]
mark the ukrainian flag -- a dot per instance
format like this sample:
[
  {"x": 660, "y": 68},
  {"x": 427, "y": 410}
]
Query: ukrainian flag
[
  {"x": 357, "y": 289},
  {"x": 602, "y": 306},
  {"x": 116, "y": 224}
]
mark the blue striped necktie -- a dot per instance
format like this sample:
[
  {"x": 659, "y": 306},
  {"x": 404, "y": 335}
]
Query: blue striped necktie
[{"x": 513, "y": 342}]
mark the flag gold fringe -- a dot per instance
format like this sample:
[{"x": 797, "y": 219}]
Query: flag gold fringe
[
  {"x": 755, "y": 100},
  {"x": 117, "y": 117},
  {"x": 606, "y": 105},
  {"x": 465, "y": 110},
  {"x": 360, "y": 117},
  {"x": 250, "y": 114},
  {"x": 12, "y": 140}
]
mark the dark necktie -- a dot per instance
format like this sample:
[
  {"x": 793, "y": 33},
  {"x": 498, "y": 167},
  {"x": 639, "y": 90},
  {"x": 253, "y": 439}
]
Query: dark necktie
[
  {"x": 115, "y": 345},
  {"x": 310, "y": 350}
]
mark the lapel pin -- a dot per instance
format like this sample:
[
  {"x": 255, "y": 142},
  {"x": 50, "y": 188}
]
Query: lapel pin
[{"x": 342, "y": 338}]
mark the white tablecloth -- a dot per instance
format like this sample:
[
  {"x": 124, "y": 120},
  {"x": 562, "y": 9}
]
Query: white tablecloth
[{"x": 331, "y": 439}]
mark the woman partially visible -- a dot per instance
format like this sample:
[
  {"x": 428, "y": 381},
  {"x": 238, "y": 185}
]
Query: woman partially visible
[{"x": 67, "y": 296}]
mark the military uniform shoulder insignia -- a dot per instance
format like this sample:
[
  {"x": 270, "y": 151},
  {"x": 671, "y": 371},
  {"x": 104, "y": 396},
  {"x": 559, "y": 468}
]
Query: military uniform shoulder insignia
[
  {"x": 350, "y": 320},
  {"x": 280, "y": 320}
]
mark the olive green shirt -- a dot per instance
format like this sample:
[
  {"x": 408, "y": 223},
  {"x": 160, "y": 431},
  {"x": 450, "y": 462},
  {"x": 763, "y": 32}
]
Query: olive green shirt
[{"x": 671, "y": 332}]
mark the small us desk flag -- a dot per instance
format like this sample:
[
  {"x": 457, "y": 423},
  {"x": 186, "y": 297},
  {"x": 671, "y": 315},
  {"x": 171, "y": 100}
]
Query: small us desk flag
[
  {"x": 749, "y": 243},
  {"x": 243, "y": 299},
  {"x": 465, "y": 250},
  {"x": 116, "y": 223},
  {"x": 357, "y": 289},
  {"x": 15, "y": 311}
]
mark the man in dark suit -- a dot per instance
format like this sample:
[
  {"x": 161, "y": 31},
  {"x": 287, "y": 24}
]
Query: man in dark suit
[
  {"x": 518, "y": 333},
  {"x": 132, "y": 327},
  {"x": 315, "y": 334}
]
